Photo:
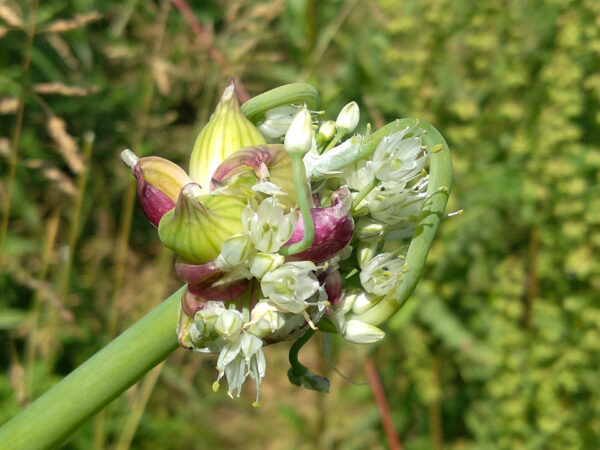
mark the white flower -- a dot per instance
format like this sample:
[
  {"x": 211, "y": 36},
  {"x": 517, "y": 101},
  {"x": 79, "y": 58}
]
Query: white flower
[
  {"x": 398, "y": 158},
  {"x": 269, "y": 228},
  {"x": 277, "y": 121},
  {"x": 240, "y": 358},
  {"x": 299, "y": 137},
  {"x": 394, "y": 203},
  {"x": 290, "y": 285},
  {"x": 359, "y": 175},
  {"x": 382, "y": 273},
  {"x": 347, "y": 119}
]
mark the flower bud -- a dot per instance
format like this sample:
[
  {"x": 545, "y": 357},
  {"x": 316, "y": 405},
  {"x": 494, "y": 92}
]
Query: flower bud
[
  {"x": 362, "y": 333},
  {"x": 347, "y": 119},
  {"x": 299, "y": 137},
  {"x": 159, "y": 182},
  {"x": 364, "y": 302},
  {"x": 227, "y": 131},
  {"x": 209, "y": 315},
  {"x": 229, "y": 324},
  {"x": 235, "y": 250},
  {"x": 267, "y": 318},
  {"x": 365, "y": 251},
  {"x": 326, "y": 132},
  {"x": 368, "y": 229},
  {"x": 262, "y": 263},
  {"x": 199, "y": 224},
  {"x": 197, "y": 332}
]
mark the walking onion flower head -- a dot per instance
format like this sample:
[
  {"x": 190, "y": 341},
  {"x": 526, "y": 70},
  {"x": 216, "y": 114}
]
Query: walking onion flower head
[{"x": 276, "y": 240}]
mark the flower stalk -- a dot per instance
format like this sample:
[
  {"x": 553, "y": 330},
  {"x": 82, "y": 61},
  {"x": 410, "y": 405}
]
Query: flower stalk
[{"x": 55, "y": 415}]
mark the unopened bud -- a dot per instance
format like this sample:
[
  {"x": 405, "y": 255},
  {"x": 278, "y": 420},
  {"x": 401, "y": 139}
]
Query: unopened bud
[
  {"x": 299, "y": 137},
  {"x": 347, "y": 119},
  {"x": 235, "y": 249},
  {"x": 364, "y": 302},
  {"x": 263, "y": 263},
  {"x": 368, "y": 229},
  {"x": 365, "y": 251},
  {"x": 197, "y": 332},
  {"x": 362, "y": 333},
  {"x": 277, "y": 121},
  {"x": 229, "y": 324},
  {"x": 326, "y": 131},
  {"x": 267, "y": 318}
]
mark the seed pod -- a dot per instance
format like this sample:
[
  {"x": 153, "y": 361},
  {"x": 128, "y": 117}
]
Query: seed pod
[
  {"x": 198, "y": 225},
  {"x": 227, "y": 130},
  {"x": 159, "y": 182}
]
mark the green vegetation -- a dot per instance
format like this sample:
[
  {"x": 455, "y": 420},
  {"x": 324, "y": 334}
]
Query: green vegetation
[{"x": 499, "y": 346}]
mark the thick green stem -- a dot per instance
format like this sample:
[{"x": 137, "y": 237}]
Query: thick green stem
[
  {"x": 302, "y": 197},
  {"x": 56, "y": 414}
]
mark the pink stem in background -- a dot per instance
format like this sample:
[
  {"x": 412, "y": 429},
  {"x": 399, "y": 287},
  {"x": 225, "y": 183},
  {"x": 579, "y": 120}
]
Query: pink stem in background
[
  {"x": 206, "y": 40},
  {"x": 382, "y": 405}
]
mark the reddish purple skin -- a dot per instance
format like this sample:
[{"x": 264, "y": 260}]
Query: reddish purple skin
[
  {"x": 154, "y": 203},
  {"x": 196, "y": 295},
  {"x": 191, "y": 304},
  {"x": 332, "y": 280},
  {"x": 334, "y": 227},
  {"x": 333, "y": 287},
  {"x": 198, "y": 273},
  {"x": 256, "y": 157},
  {"x": 201, "y": 278},
  {"x": 222, "y": 292}
]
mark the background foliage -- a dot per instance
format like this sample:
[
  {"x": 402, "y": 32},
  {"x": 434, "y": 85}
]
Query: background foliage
[{"x": 500, "y": 346}]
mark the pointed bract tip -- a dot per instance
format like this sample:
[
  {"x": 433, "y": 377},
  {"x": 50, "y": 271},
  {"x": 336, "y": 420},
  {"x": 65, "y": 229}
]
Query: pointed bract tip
[
  {"x": 129, "y": 158},
  {"x": 229, "y": 91},
  {"x": 191, "y": 191}
]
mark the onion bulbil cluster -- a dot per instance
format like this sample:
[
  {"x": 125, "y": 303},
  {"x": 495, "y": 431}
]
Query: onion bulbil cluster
[{"x": 307, "y": 231}]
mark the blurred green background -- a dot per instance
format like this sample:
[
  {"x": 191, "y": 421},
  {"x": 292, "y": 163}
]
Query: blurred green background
[{"x": 499, "y": 346}]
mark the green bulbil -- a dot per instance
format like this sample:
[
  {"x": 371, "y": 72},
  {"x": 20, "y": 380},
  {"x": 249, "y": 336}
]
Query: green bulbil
[
  {"x": 199, "y": 224},
  {"x": 227, "y": 130}
]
